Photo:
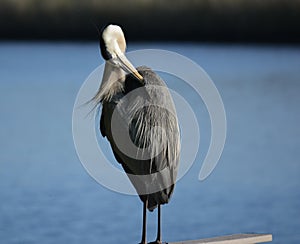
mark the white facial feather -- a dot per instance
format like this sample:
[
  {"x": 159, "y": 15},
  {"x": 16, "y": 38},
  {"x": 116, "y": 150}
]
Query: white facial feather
[{"x": 114, "y": 40}]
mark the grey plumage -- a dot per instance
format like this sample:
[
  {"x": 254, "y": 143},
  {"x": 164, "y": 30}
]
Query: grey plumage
[
  {"x": 145, "y": 113},
  {"x": 139, "y": 120}
]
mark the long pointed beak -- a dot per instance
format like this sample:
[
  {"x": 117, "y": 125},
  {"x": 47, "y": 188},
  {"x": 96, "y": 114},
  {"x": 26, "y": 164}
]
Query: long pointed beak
[{"x": 127, "y": 66}]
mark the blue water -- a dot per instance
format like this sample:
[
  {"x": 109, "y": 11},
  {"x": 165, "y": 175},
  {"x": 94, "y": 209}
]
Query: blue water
[{"x": 46, "y": 196}]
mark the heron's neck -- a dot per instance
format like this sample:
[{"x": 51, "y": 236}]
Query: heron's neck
[{"x": 112, "y": 81}]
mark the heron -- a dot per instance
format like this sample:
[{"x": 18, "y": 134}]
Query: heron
[{"x": 139, "y": 120}]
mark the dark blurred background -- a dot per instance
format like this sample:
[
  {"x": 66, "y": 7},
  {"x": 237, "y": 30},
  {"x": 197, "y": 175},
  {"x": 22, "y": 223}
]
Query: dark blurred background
[{"x": 273, "y": 21}]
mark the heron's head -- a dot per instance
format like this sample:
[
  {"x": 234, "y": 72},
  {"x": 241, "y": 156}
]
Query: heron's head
[{"x": 113, "y": 47}]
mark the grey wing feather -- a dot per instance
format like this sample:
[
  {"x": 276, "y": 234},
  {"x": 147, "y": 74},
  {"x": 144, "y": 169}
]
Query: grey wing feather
[
  {"x": 153, "y": 120},
  {"x": 148, "y": 114}
]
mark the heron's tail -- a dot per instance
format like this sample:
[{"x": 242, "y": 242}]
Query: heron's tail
[{"x": 158, "y": 198}]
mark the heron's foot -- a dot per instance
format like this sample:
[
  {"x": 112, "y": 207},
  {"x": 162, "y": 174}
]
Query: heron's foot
[{"x": 157, "y": 242}]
